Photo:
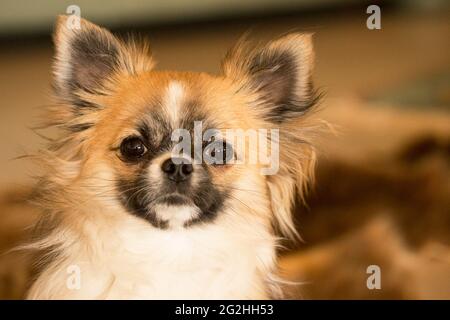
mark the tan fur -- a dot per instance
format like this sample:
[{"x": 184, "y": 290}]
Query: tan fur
[{"x": 122, "y": 256}]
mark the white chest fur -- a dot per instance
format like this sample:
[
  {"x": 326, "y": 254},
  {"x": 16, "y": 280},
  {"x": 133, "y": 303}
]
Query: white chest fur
[{"x": 226, "y": 260}]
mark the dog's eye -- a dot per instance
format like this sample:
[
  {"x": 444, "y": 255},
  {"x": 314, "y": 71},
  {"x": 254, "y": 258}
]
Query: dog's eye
[
  {"x": 132, "y": 148},
  {"x": 218, "y": 153}
]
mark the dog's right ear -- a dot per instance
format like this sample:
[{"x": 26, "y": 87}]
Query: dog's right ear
[{"x": 87, "y": 56}]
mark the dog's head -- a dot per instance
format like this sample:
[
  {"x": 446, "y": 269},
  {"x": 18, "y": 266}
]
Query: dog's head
[{"x": 178, "y": 148}]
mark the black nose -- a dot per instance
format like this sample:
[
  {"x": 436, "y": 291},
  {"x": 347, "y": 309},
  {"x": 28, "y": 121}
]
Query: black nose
[{"x": 178, "y": 171}]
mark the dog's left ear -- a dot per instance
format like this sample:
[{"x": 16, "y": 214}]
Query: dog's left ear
[
  {"x": 279, "y": 73},
  {"x": 277, "y": 77}
]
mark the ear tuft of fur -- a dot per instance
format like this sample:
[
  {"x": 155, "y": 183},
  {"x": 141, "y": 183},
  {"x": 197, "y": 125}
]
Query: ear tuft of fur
[
  {"x": 278, "y": 78},
  {"x": 278, "y": 72},
  {"x": 88, "y": 56}
]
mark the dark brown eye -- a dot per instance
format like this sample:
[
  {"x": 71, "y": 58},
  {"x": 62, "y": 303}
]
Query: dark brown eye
[
  {"x": 132, "y": 148},
  {"x": 219, "y": 152}
]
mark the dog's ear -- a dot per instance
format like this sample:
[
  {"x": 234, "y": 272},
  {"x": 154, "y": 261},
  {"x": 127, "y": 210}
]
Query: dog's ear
[
  {"x": 277, "y": 78},
  {"x": 87, "y": 56},
  {"x": 279, "y": 73}
]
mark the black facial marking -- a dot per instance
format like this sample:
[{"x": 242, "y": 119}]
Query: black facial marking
[
  {"x": 134, "y": 197},
  {"x": 144, "y": 130},
  {"x": 211, "y": 199},
  {"x": 140, "y": 196},
  {"x": 156, "y": 132},
  {"x": 175, "y": 200}
]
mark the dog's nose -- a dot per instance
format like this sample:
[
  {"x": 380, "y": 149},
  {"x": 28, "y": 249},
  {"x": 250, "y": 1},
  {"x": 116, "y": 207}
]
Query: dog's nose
[{"x": 177, "y": 171}]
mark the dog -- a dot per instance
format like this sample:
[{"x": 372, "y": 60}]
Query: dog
[{"x": 122, "y": 217}]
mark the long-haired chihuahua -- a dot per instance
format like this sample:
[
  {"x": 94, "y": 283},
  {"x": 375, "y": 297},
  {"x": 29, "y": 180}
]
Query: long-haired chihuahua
[{"x": 133, "y": 219}]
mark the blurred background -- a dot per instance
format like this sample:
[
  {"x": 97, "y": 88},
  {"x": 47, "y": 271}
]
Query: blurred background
[{"x": 382, "y": 195}]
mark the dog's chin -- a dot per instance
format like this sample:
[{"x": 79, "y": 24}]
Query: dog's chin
[{"x": 175, "y": 211}]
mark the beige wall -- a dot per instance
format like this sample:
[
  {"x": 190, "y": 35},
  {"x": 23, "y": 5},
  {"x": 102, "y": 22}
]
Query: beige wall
[{"x": 31, "y": 16}]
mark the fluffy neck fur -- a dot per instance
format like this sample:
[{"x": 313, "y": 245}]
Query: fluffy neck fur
[{"x": 122, "y": 257}]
